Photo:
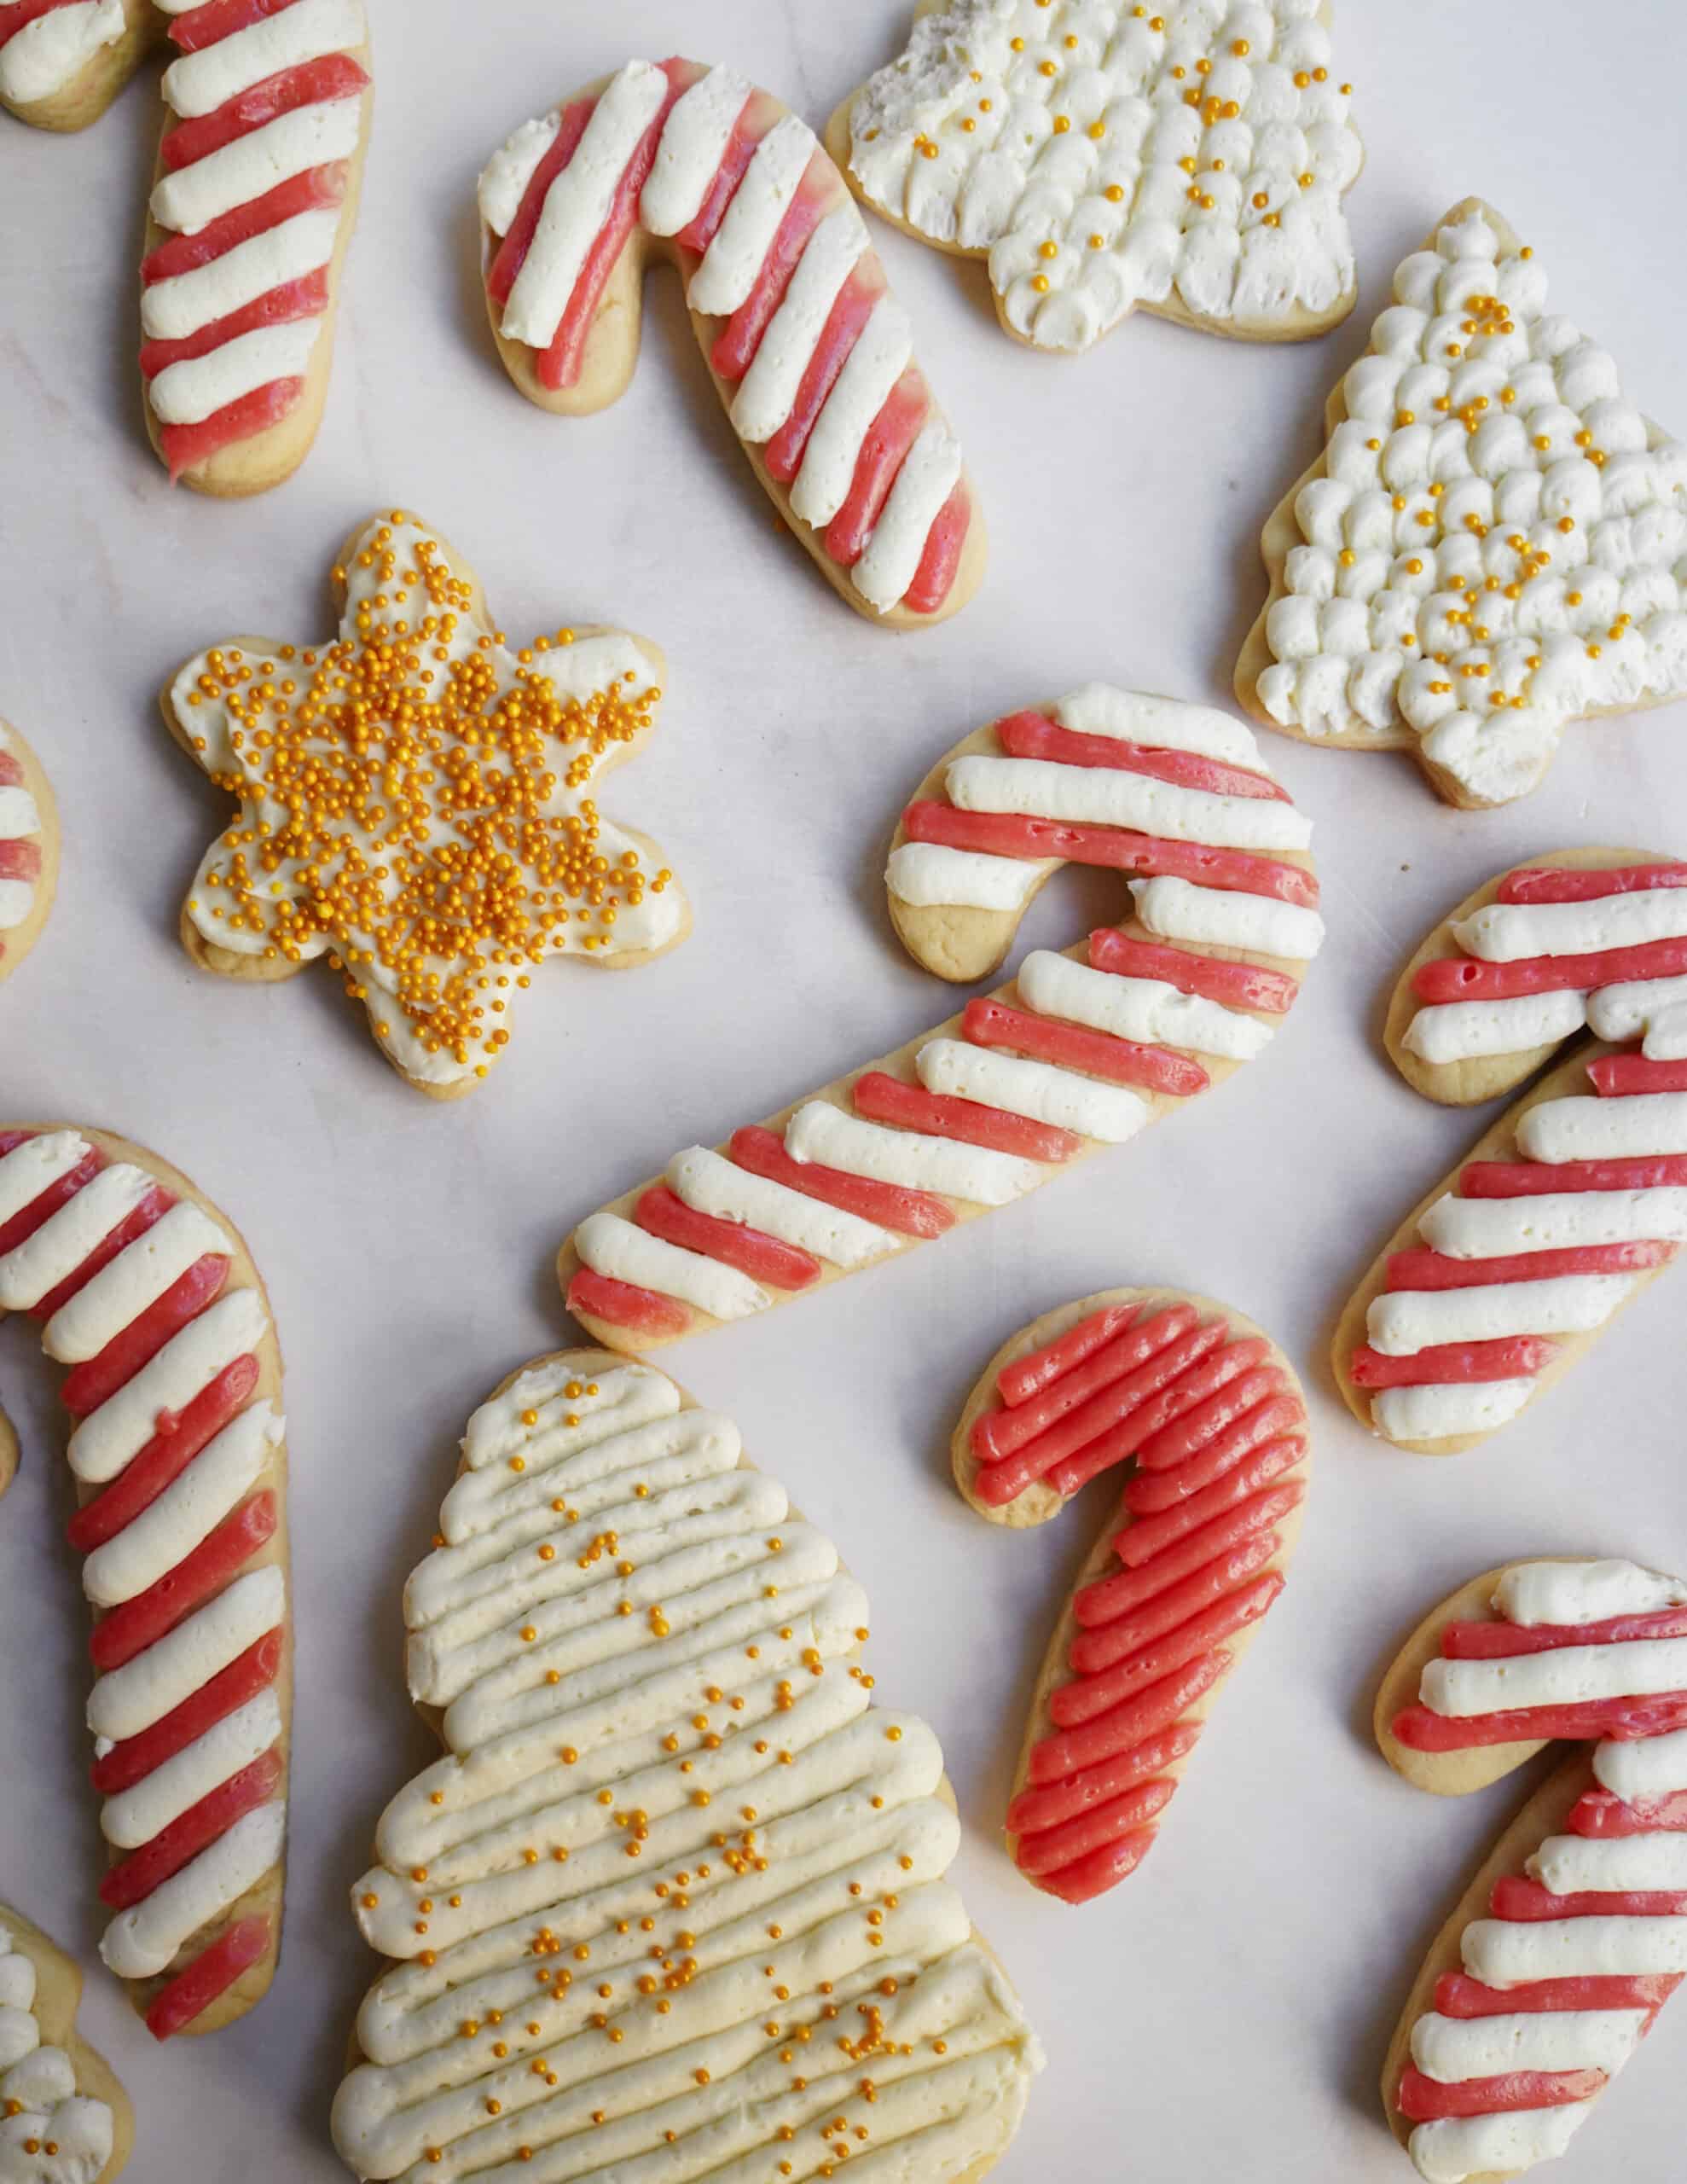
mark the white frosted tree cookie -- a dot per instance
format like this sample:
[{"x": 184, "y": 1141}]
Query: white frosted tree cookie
[
  {"x": 416, "y": 804},
  {"x": 1209, "y": 1413},
  {"x": 810, "y": 352},
  {"x": 1081, "y": 1051},
  {"x": 64, "y": 2117},
  {"x": 1492, "y": 544},
  {"x": 252, "y": 204},
  {"x": 1577, "y": 1198},
  {"x": 1570, "y": 1939},
  {"x": 674, "y": 1901},
  {"x": 148, "y": 1295},
  {"x": 1103, "y": 157},
  {"x": 29, "y": 849}
]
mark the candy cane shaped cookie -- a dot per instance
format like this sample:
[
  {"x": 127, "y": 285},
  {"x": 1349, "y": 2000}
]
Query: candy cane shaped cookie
[
  {"x": 266, "y": 118},
  {"x": 29, "y": 849},
  {"x": 149, "y": 1297},
  {"x": 1081, "y": 1050},
  {"x": 1573, "y": 1935},
  {"x": 1210, "y": 1413},
  {"x": 811, "y": 355},
  {"x": 1577, "y": 1198},
  {"x": 1489, "y": 546},
  {"x": 673, "y": 1847},
  {"x": 1104, "y": 157},
  {"x": 64, "y": 2118},
  {"x": 415, "y": 806}
]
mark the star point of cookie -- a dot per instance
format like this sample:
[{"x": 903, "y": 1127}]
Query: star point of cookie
[{"x": 417, "y": 803}]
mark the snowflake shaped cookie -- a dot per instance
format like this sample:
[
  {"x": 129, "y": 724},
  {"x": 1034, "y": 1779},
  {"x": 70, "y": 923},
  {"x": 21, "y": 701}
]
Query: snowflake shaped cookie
[
  {"x": 1105, "y": 154},
  {"x": 417, "y": 805},
  {"x": 1493, "y": 543}
]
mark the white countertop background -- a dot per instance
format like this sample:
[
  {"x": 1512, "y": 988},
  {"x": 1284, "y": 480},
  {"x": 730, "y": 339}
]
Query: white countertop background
[{"x": 1225, "y": 2013}]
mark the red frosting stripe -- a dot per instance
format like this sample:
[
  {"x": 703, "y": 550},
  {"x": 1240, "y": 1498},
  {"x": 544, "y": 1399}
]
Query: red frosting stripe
[
  {"x": 318, "y": 190},
  {"x": 1420, "y": 1729},
  {"x": 1460, "y": 978},
  {"x": 1116, "y": 849},
  {"x": 20, "y": 859},
  {"x": 1500, "y": 1640},
  {"x": 1104, "y": 1647},
  {"x": 623, "y": 1304},
  {"x": 910, "y": 1213},
  {"x": 940, "y": 563},
  {"x": 662, "y": 1212},
  {"x": 1100, "y": 1353},
  {"x": 892, "y": 433},
  {"x": 1457, "y": 1995},
  {"x": 1516, "y": 1898},
  {"x": 1547, "y": 884},
  {"x": 192, "y": 1992},
  {"x": 136, "y": 1877},
  {"x": 1049, "y": 1804},
  {"x": 1074, "y": 1704},
  {"x": 41, "y": 1209},
  {"x": 1617, "y": 1076},
  {"x": 86, "y": 1386},
  {"x": 1534, "y": 1178},
  {"x": 1599, "y": 1813},
  {"x": 1049, "y": 1849},
  {"x": 1057, "y": 1758},
  {"x": 1032, "y": 735},
  {"x": 136, "y": 1757},
  {"x": 305, "y": 298},
  {"x": 1018, "y": 1383},
  {"x": 910, "y": 1107},
  {"x": 511, "y": 253},
  {"x": 859, "y": 293},
  {"x": 140, "y": 1623},
  {"x": 1238, "y": 985},
  {"x": 1150, "y": 1536},
  {"x": 216, "y": 19},
  {"x": 817, "y": 194},
  {"x": 1222, "y": 1535},
  {"x": 180, "y": 1436},
  {"x": 312, "y": 83},
  {"x": 1421, "y": 2098},
  {"x": 759, "y": 114},
  {"x": 1070, "y": 1046},
  {"x": 152, "y": 1209},
  {"x": 1425, "y": 1269},
  {"x": 185, "y": 445},
  {"x": 1463, "y": 1362}
]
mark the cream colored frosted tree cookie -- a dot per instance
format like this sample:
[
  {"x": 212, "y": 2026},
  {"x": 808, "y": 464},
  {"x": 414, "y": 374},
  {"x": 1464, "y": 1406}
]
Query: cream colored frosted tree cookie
[
  {"x": 1210, "y": 1413},
  {"x": 415, "y": 804},
  {"x": 64, "y": 2118},
  {"x": 29, "y": 849},
  {"x": 1102, "y": 156},
  {"x": 675, "y": 1899},
  {"x": 252, "y": 203},
  {"x": 811, "y": 355},
  {"x": 1573, "y": 1202},
  {"x": 1080, "y": 1051},
  {"x": 1489, "y": 546},
  {"x": 147, "y": 1292},
  {"x": 1573, "y": 1935}
]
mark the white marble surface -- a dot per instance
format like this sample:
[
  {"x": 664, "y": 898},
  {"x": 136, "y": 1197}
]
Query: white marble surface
[{"x": 1226, "y": 2013}]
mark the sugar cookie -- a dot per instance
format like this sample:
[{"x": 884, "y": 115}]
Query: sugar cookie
[
  {"x": 812, "y": 356},
  {"x": 64, "y": 2118},
  {"x": 499, "y": 858},
  {"x": 1572, "y": 1936},
  {"x": 1102, "y": 158},
  {"x": 675, "y": 1848},
  {"x": 1487, "y": 547},
  {"x": 1083, "y": 1049},
  {"x": 148, "y": 1293},
  {"x": 266, "y": 119},
  {"x": 1211, "y": 1415}
]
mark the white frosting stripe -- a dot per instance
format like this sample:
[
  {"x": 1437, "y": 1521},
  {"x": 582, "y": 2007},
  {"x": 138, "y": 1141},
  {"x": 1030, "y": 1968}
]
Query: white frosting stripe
[
  {"x": 693, "y": 144},
  {"x": 1568, "y": 1676},
  {"x": 878, "y": 359},
  {"x": 109, "y": 1438},
  {"x": 1588, "y": 1129},
  {"x": 930, "y": 471},
  {"x": 47, "y": 56},
  {"x": 184, "y": 305},
  {"x": 1510, "y": 933},
  {"x": 1110, "y": 1113},
  {"x": 1496, "y": 1227},
  {"x": 1464, "y": 1030},
  {"x": 930, "y": 875},
  {"x": 727, "y": 270},
  {"x": 1446, "y": 1411},
  {"x": 35, "y": 1267},
  {"x": 615, "y": 1249},
  {"x": 1212, "y": 917},
  {"x": 36, "y": 1165},
  {"x": 144, "y": 1690},
  {"x": 1097, "y": 796},
  {"x": 1143, "y": 1010},
  {"x": 19, "y": 813},
  {"x": 186, "y": 1512},
  {"x": 1560, "y": 1593},
  {"x": 1404, "y": 1322},
  {"x": 716, "y": 1186},
  {"x": 310, "y": 137},
  {"x": 306, "y": 30},
  {"x": 139, "y": 1944},
  {"x": 767, "y": 391},
  {"x": 823, "y": 1133},
  {"x": 134, "y": 1816},
  {"x": 136, "y": 1279}
]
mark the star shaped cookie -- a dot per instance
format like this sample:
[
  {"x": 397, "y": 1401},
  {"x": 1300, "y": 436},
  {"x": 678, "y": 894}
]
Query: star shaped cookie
[
  {"x": 1188, "y": 158},
  {"x": 416, "y": 804}
]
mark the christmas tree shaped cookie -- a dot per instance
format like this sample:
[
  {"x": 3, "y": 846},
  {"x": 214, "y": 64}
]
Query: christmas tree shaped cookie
[{"x": 1491, "y": 544}]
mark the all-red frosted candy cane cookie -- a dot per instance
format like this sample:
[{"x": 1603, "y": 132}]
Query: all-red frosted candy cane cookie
[
  {"x": 64, "y": 2117},
  {"x": 29, "y": 849},
  {"x": 675, "y": 1845},
  {"x": 417, "y": 805},
  {"x": 1107, "y": 157},
  {"x": 812, "y": 356},
  {"x": 1573, "y": 1935},
  {"x": 149, "y": 1296},
  {"x": 1489, "y": 546},
  {"x": 266, "y": 117},
  {"x": 1577, "y": 1198},
  {"x": 1081, "y": 1050},
  {"x": 1211, "y": 1415}
]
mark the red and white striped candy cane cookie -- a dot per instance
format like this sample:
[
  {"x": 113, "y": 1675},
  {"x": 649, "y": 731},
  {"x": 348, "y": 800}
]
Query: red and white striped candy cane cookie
[
  {"x": 1578, "y": 1198},
  {"x": 149, "y": 1297},
  {"x": 1209, "y": 1413},
  {"x": 1573, "y": 1935},
  {"x": 809, "y": 351},
  {"x": 266, "y": 118},
  {"x": 29, "y": 849},
  {"x": 1081, "y": 1050}
]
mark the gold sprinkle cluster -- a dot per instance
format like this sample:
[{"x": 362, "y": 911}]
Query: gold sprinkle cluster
[{"x": 405, "y": 804}]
